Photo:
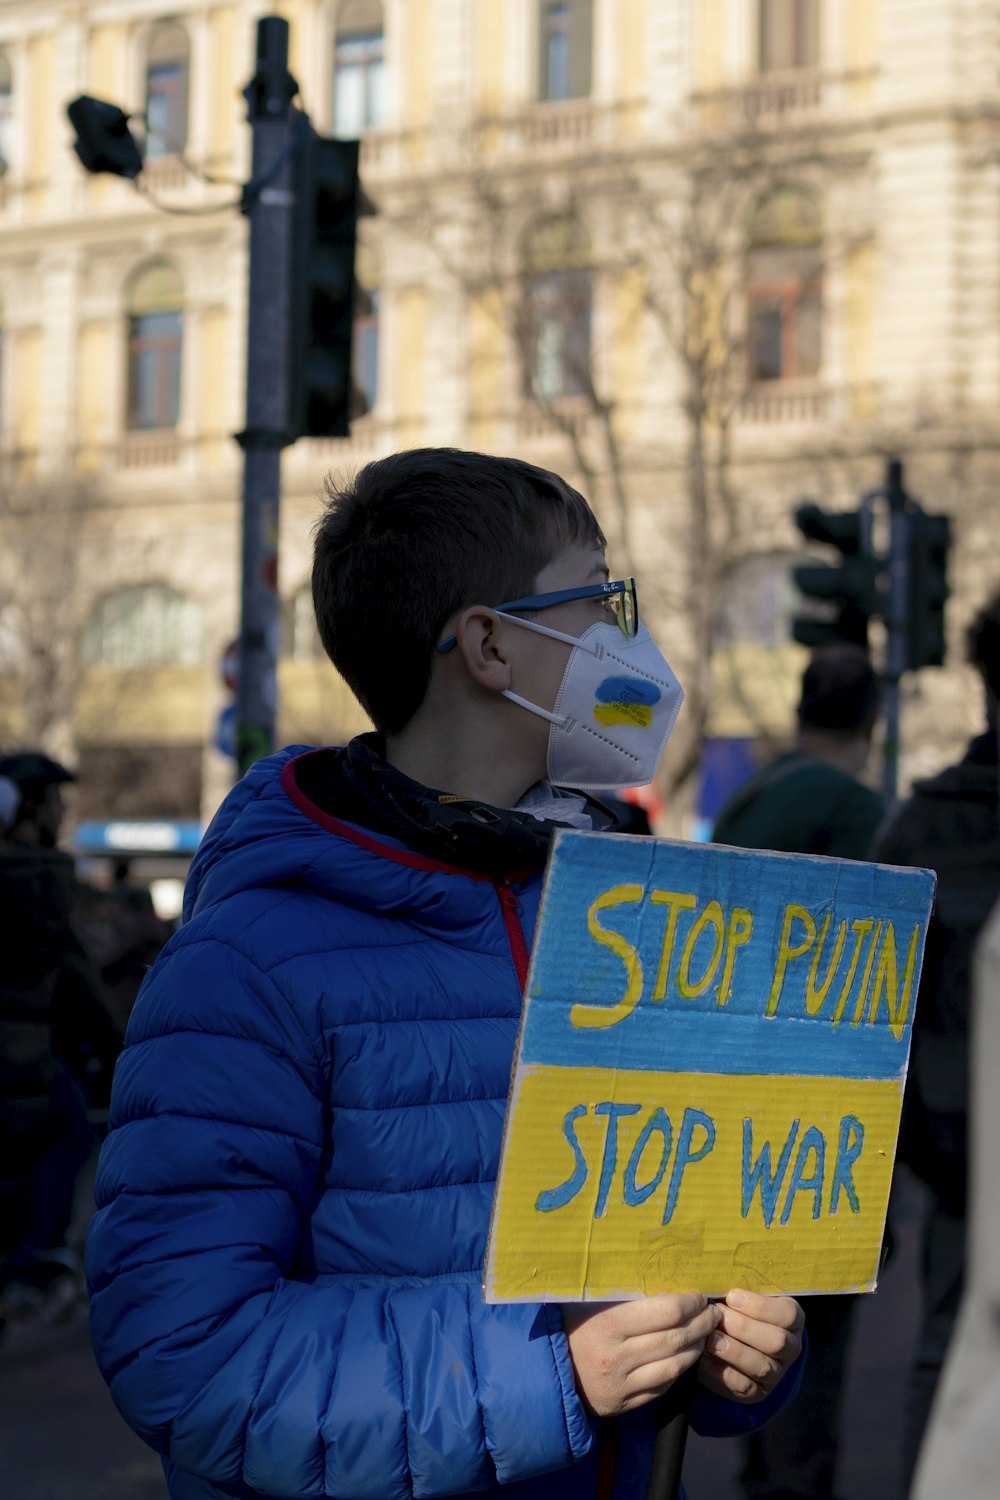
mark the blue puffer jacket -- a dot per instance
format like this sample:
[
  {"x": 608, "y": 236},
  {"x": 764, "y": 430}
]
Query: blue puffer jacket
[{"x": 293, "y": 1199}]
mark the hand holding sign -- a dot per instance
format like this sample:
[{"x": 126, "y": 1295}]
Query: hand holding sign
[
  {"x": 758, "y": 1339},
  {"x": 628, "y": 1353}
]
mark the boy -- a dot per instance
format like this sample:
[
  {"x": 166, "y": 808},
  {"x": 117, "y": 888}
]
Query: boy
[{"x": 294, "y": 1197}]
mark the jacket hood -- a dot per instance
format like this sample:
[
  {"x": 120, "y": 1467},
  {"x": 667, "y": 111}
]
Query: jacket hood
[{"x": 265, "y": 836}]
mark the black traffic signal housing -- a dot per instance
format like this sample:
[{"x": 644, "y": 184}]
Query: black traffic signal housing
[
  {"x": 327, "y": 201},
  {"x": 928, "y": 543},
  {"x": 848, "y": 590},
  {"x": 104, "y": 142}
]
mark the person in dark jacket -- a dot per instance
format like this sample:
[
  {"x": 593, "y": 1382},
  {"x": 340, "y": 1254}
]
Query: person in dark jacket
[
  {"x": 293, "y": 1201},
  {"x": 809, "y": 801},
  {"x": 51, "y": 1018},
  {"x": 37, "y": 818},
  {"x": 949, "y": 825},
  {"x": 58, "y": 1045}
]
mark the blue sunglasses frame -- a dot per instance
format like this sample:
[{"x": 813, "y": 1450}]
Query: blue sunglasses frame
[{"x": 628, "y": 620}]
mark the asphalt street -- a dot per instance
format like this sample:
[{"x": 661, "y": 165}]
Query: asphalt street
[{"x": 61, "y": 1438}]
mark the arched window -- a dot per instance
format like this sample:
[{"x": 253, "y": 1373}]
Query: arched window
[
  {"x": 758, "y": 602},
  {"x": 155, "y": 333},
  {"x": 6, "y": 112},
  {"x": 788, "y": 32},
  {"x": 786, "y": 287},
  {"x": 554, "y": 327},
  {"x": 148, "y": 626},
  {"x": 358, "y": 68},
  {"x": 565, "y": 48},
  {"x": 168, "y": 66}
]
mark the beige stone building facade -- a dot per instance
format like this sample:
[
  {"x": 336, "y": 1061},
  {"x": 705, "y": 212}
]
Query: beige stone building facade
[{"x": 706, "y": 257}]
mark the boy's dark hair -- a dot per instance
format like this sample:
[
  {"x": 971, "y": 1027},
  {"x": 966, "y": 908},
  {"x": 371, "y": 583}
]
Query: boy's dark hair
[
  {"x": 983, "y": 644},
  {"x": 840, "y": 693},
  {"x": 418, "y": 536}
]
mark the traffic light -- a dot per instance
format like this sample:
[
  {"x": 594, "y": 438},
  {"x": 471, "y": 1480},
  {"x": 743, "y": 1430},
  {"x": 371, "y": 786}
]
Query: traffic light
[
  {"x": 848, "y": 590},
  {"x": 928, "y": 542},
  {"x": 327, "y": 201},
  {"x": 104, "y": 142}
]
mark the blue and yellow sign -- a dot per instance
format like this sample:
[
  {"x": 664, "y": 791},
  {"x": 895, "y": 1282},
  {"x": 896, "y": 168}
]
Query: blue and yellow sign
[{"x": 709, "y": 1073}]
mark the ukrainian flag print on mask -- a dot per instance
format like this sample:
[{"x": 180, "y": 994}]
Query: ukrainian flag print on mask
[{"x": 626, "y": 700}]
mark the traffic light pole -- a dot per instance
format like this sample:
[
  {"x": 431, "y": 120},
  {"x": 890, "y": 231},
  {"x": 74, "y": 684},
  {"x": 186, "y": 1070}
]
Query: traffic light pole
[
  {"x": 269, "y": 209},
  {"x": 906, "y": 587},
  {"x": 897, "y": 608},
  {"x": 302, "y": 202}
]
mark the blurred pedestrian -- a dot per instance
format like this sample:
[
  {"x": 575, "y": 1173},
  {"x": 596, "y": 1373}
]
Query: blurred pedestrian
[
  {"x": 58, "y": 1045},
  {"x": 40, "y": 809},
  {"x": 10, "y": 801},
  {"x": 950, "y": 825},
  {"x": 809, "y": 801},
  {"x": 121, "y": 934}
]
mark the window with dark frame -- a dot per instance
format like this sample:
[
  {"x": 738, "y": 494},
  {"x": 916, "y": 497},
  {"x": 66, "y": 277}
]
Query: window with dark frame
[
  {"x": 154, "y": 308},
  {"x": 560, "y": 313},
  {"x": 154, "y": 379},
  {"x": 168, "y": 62},
  {"x": 6, "y": 112},
  {"x": 788, "y": 35},
  {"x": 358, "y": 69},
  {"x": 556, "y": 43},
  {"x": 565, "y": 48},
  {"x": 785, "y": 289}
]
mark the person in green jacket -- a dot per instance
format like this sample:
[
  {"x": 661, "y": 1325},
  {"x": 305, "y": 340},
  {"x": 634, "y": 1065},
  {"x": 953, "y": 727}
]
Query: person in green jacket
[{"x": 809, "y": 801}]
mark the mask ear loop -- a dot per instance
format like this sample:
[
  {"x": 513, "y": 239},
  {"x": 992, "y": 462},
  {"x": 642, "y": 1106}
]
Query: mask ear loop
[
  {"x": 580, "y": 641},
  {"x": 559, "y": 720}
]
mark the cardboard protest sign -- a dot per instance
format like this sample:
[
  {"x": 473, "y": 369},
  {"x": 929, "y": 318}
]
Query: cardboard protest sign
[{"x": 709, "y": 1073}]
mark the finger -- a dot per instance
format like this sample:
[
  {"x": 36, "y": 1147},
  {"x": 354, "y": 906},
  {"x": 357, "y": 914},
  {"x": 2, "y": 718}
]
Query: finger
[
  {"x": 660, "y": 1312},
  {"x": 776, "y": 1343},
  {"x": 746, "y": 1360},
  {"x": 783, "y": 1312},
  {"x": 664, "y": 1344},
  {"x": 732, "y": 1384},
  {"x": 780, "y": 1342},
  {"x": 636, "y": 1315},
  {"x": 651, "y": 1380}
]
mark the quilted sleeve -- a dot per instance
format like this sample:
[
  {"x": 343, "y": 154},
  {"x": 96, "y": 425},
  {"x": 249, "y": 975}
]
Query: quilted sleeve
[{"x": 218, "y": 1357}]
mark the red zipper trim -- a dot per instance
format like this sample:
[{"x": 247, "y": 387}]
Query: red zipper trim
[
  {"x": 515, "y": 933},
  {"x": 360, "y": 835}
]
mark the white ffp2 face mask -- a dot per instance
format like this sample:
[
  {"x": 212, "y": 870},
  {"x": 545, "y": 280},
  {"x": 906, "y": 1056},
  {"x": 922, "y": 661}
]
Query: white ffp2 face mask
[{"x": 616, "y": 705}]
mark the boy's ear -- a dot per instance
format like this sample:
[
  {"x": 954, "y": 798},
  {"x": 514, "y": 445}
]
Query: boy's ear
[{"x": 479, "y": 641}]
